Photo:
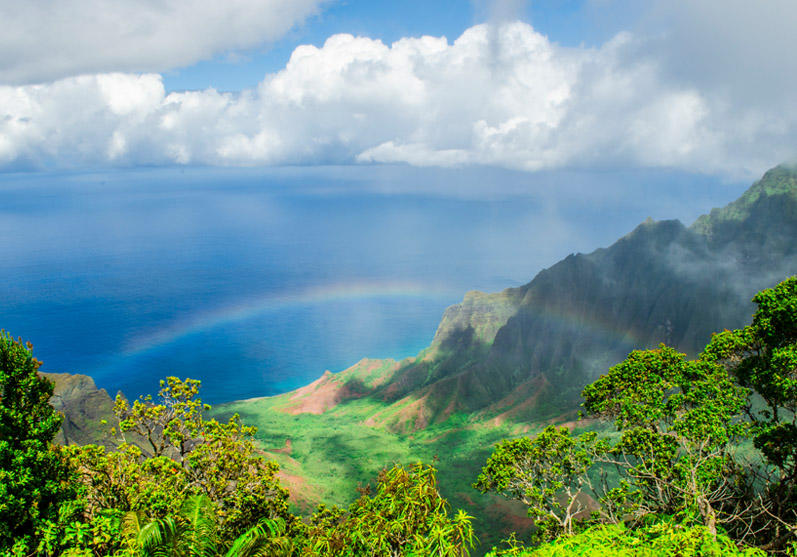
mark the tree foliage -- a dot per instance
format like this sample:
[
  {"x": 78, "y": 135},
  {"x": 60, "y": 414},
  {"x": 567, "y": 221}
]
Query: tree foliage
[
  {"x": 548, "y": 474},
  {"x": 405, "y": 516},
  {"x": 33, "y": 477},
  {"x": 763, "y": 358},
  {"x": 173, "y": 464},
  {"x": 202, "y": 456},
  {"x": 680, "y": 423}
]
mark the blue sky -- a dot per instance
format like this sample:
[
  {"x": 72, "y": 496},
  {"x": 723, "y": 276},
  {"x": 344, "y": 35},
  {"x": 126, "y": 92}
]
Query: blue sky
[{"x": 533, "y": 86}]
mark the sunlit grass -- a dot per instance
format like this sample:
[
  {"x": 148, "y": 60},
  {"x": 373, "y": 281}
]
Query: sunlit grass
[{"x": 336, "y": 452}]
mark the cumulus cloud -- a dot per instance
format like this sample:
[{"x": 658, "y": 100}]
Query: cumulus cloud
[
  {"x": 508, "y": 98},
  {"x": 45, "y": 40}
]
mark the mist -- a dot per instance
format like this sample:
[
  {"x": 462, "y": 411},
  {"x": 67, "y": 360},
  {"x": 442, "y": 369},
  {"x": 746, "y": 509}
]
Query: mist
[{"x": 101, "y": 265}]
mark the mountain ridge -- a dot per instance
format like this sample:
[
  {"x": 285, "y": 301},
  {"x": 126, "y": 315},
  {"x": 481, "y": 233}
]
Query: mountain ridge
[
  {"x": 523, "y": 353},
  {"x": 508, "y": 363},
  {"x": 661, "y": 282}
]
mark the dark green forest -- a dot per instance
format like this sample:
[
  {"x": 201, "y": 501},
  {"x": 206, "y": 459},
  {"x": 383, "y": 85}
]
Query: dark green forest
[{"x": 698, "y": 457}]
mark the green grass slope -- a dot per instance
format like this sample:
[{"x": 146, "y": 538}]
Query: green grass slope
[{"x": 326, "y": 457}]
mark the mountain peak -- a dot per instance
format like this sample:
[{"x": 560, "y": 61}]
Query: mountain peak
[
  {"x": 526, "y": 352},
  {"x": 778, "y": 181}
]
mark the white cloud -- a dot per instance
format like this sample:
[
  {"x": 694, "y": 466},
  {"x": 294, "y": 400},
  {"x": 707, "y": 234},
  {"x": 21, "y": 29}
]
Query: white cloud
[
  {"x": 45, "y": 40},
  {"x": 502, "y": 96}
]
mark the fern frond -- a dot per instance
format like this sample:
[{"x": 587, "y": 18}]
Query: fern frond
[
  {"x": 155, "y": 535},
  {"x": 263, "y": 539},
  {"x": 200, "y": 513}
]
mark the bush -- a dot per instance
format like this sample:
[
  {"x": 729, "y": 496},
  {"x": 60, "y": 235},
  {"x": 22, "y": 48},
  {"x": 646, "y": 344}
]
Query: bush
[
  {"x": 660, "y": 538},
  {"x": 33, "y": 478}
]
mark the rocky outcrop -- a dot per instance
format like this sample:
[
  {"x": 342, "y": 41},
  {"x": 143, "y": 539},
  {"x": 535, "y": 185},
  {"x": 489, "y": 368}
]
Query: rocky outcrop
[{"x": 88, "y": 411}]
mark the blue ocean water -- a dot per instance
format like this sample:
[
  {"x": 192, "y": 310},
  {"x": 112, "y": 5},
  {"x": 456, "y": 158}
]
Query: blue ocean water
[{"x": 256, "y": 282}]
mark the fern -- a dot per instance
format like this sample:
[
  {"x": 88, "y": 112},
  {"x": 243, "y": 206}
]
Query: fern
[{"x": 262, "y": 540}]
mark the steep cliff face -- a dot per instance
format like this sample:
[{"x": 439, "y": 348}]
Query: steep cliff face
[
  {"x": 525, "y": 353},
  {"x": 756, "y": 233},
  {"x": 476, "y": 320},
  {"x": 660, "y": 283},
  {"x": 84, "y": 407}
]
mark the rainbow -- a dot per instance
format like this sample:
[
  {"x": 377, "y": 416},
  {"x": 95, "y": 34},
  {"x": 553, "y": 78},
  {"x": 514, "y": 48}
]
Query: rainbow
[
  {"x": 602, "y": 328},
  {"x": 350, "y": 291},
  {"x": 253, "y": 307}
]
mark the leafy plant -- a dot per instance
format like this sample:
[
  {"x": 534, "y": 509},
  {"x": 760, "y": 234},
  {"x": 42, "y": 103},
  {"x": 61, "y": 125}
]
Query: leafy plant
[
  {"x": 405, "y": 516},
  {"x": 34, "y": 479},
  {"x": 549, "y": 474},
  {"x": 194, "y": 533},
  {"x": 679, "y": 420}
]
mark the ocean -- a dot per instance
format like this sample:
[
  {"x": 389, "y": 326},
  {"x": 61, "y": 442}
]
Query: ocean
[{"x": 257, "y": 281}]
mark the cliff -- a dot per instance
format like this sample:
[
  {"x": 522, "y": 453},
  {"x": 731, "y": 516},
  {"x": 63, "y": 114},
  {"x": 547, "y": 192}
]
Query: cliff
[
  {"x": 525, "y": 353},
  {"x": 84, "y": 407}
]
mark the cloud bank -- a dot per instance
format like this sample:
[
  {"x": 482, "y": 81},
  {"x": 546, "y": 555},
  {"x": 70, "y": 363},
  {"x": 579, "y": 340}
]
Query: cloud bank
[
  {"x": 43, "y": 40},
  {"x": 503, "y": 96}
]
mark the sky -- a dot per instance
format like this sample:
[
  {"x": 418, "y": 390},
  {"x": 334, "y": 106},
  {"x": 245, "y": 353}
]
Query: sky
[{"x": 695, "y": 86}]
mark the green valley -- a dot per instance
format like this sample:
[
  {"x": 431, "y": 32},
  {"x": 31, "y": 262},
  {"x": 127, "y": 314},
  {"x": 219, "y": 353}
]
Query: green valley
[{"x": 510, "y": 364}]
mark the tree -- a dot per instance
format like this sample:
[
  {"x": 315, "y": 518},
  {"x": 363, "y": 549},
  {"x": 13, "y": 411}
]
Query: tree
[
  {"x": 406, "y": 516},
  {"x": 549, "y": 474},
  {"x": 33, "y": 478},
  {"x": 679, "y": 420},
  {"x": 170, "y": 452},
  {"x": 763, "y": 358}
]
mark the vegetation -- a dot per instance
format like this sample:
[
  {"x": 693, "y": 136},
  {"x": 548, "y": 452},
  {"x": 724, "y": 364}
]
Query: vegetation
[
  {"x": 406, "y": 516},
  {"x": 182, "y": 484},
  {"x": 510, "y": 363},
  {"x": 33, "y": 478},
  {"x": 655, "y": 540},
  {"x": 331, "y": 454},
  {"x": 675, "y": 461},
  {"x": 547, "y": 473},
  {"x": 670, "y": 480},
  {"x": 763, "y": 359}
]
